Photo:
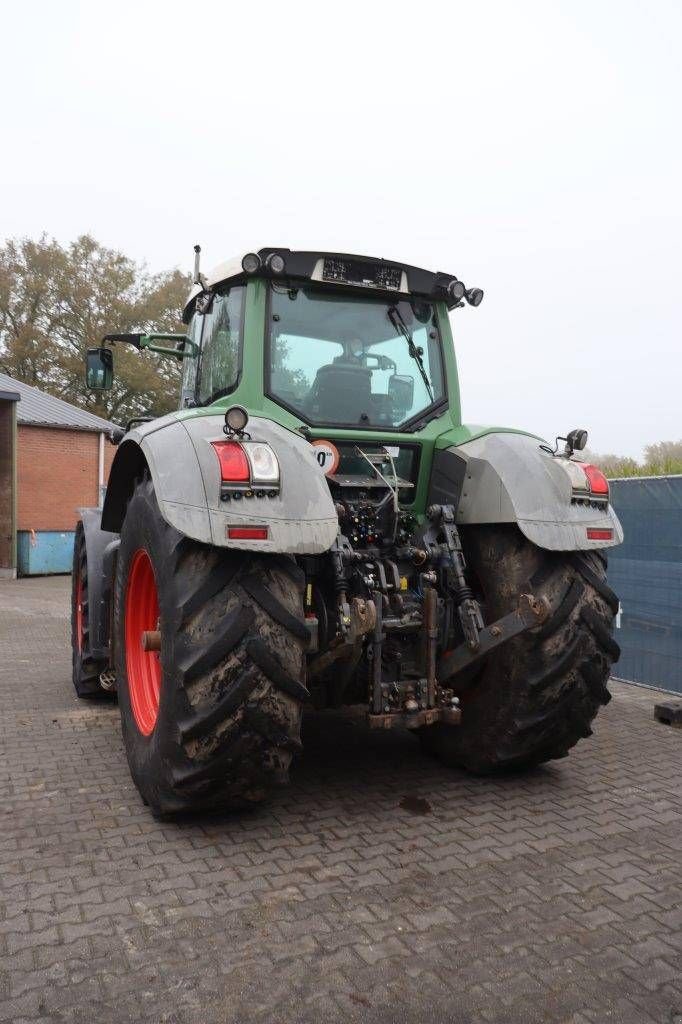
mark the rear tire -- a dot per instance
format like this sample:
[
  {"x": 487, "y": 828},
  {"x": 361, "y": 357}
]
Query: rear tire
[
  {"x": 537, "y": 695},
  {"x": 230, "y": 682},
  {"x": 85, "y": 668}
]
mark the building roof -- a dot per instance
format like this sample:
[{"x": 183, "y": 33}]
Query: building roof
[{"x": 37, "y": 408}]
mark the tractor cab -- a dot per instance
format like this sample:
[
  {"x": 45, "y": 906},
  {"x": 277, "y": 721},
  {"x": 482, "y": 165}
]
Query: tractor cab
[{"x": 345, "y": 342}]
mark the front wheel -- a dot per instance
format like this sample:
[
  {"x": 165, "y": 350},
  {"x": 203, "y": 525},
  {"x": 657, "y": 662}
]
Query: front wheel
[
  {"x": 537, "y": 695},
  {"x": 209, "y": 664}
]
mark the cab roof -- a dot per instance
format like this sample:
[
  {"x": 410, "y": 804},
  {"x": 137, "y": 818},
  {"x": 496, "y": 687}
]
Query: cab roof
[{"x": 334, "y": 270}]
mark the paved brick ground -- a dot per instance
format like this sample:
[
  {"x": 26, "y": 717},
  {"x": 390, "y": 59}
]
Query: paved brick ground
[{"x": 553, "y": 897}]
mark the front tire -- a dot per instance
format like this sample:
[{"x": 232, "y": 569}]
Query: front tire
[
  {"x": 538, "y": 694},
  {"x": 211, "y": 720}
]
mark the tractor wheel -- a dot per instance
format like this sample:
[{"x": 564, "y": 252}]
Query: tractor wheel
[
  {"x": 212, "y": 719},
  {"x": 85, "y": 668},
  {"x": 536, "y": 696}
]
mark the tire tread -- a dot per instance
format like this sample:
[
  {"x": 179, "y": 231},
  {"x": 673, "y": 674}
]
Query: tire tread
[
  {"x": 537, "y": 696},
  {"x": 85, "y": 669},
  {"x": 233, "y": 680}
]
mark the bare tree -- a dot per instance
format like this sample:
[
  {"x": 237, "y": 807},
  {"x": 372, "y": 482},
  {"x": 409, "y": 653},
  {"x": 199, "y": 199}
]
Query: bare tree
[
  {"x": 662, "y": 459},
  {"x": 56, "y": 301}
]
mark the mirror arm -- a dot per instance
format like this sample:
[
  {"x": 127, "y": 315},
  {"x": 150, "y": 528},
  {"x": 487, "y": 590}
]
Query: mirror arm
[
  {"x": 131, "y": 339},
  {"x": 188, "y": 350}
]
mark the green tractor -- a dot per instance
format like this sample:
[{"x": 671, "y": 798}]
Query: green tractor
[{"x": 316, "y": 526}]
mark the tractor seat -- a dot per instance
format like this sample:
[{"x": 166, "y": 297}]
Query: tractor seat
[{"x": 341, "y": 393}]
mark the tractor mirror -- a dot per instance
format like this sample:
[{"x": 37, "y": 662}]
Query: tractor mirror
[
  {"x": 401, "y": 391},
  {"x": 99, "y": 369}
]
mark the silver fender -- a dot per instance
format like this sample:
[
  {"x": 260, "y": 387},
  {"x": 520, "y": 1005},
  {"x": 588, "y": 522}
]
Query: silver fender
[
  {"x": 186, "y": 477},
  {"x": 510, "y": 479}
]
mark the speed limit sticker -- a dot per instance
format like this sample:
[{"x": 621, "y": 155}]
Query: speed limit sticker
[{"x": 327, "y": 455}]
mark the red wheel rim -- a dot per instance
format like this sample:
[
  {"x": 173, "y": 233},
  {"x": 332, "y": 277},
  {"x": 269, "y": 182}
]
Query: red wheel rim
[
  {"x": 79, "y": 612},
  {"x": 143, "y": 668}
]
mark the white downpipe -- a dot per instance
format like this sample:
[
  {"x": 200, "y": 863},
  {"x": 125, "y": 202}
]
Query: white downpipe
[{"x": 100, "y": 473}]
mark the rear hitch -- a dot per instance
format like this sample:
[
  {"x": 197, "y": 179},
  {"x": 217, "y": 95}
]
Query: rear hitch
[
  {"x": 412, "y": 703},
  {"x": 415, "y": 719},
  {"x": 442, "y": 519},
  {"x": 429, "y": 700},
  {"x": 360, "y": 620},
  {"x": 530, "y": 612}
]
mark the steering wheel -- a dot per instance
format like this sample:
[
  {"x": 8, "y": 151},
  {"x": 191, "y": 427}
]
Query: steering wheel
[{"x": 383, "y": 362}]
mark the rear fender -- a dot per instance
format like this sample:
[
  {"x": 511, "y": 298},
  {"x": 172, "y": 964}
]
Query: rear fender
[
  {"x": 508, "y": 478},
  {"x": 185, "y": 472}
]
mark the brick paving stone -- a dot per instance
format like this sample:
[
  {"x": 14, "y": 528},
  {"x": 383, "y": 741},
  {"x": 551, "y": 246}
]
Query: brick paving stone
[{"x": 553, "y": 897}]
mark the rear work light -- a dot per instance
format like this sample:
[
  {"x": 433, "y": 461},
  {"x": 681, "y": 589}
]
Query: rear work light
[{"x": 247, "y": 533}]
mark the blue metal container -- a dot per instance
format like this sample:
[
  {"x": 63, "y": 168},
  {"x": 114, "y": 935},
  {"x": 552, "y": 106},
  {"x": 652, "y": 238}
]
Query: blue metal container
[{"x": 44, "y": 552}]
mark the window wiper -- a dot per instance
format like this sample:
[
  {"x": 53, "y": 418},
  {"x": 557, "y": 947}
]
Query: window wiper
[{"x": 399, "y": 324}]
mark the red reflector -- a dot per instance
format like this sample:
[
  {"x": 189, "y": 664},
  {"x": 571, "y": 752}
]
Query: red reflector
[
  {"x": 247, "y": 533},
  {"x": 599, "y": 534},
  {"x": 598, "y": 482},
  {"x": 234, "y": 466}
]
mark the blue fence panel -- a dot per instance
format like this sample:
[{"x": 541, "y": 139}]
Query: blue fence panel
[{"x": 646, "y": 573}]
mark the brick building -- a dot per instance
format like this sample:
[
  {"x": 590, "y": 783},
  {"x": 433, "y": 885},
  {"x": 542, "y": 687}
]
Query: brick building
[{"x": 54, "y": 458}]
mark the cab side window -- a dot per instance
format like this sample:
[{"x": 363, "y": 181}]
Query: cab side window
[
  {"x": 221, "y": 345},
  {"x": 190, "y": 365}
]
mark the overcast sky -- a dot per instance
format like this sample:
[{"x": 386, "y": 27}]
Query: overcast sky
[{"x": 532, "y": 149}]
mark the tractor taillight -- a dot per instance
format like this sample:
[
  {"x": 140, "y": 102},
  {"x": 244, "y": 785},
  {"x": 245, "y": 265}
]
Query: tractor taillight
[
  {"x": 263, "y": 463},
  {"x": 248, "y": 462},
  {"x": 597, "y": 481},
  {"x": 234, "y": 465},
  {"x": 587, "y": 482},
  {"x": 599, "y": 534},
  {"x": 247, "y": 533}
]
